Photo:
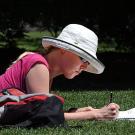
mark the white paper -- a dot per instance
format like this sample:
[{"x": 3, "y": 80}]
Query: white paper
[{"x": 128, "y": 114}]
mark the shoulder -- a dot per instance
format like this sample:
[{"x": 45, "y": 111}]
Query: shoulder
[{"x": 35, "y": 58}]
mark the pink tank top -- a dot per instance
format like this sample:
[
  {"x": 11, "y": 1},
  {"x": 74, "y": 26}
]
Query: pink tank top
[{"x": 14, "y": 77}]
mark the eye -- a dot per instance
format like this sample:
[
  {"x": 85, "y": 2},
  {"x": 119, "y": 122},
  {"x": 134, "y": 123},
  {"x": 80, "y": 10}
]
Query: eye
[{"x": 84, "y": 60}]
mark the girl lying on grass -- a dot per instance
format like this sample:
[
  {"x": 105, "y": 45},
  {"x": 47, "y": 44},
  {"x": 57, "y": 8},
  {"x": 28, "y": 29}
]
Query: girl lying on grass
[{"x": 72, "y": 52}]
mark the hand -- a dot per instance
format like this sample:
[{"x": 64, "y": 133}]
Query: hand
[{"x": 108, "y": 112}]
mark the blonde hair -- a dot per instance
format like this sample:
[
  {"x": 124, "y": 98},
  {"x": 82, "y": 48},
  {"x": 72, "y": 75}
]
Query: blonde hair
[
  {"x": 46, "y": 50},
  {"x": 42, "y": 51}
]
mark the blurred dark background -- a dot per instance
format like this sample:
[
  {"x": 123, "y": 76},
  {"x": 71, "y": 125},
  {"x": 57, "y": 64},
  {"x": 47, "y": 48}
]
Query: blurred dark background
[{"x": 113, "y": 21}]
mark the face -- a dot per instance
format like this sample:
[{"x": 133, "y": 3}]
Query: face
[{"x": 72, "y": 65}]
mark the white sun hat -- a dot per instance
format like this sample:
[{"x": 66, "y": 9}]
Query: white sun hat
[{"x": 81, "y": 41}]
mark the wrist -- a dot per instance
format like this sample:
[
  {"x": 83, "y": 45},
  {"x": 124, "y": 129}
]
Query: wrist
[{"x": 97, "y": 114}]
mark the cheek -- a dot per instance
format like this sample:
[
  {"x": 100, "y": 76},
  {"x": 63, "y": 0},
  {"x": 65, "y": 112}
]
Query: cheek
[
  {"x": 71, "y": 71},
  {"x": 72, "y": 66},
  {"x": 75, "y": 64}
]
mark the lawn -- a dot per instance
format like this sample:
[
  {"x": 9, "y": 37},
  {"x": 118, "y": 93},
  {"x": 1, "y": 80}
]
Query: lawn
[
  {"x": 86, "y": 98},
  {"x": 33, "y": 39},
  {"x": 78, "y": 98}
]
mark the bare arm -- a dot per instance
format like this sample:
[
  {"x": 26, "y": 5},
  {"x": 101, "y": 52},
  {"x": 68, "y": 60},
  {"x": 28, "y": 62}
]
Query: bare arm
[
  {"x": 79, "y": 115},
  {"x": 37, "y": 79},
  {"x": 108, "y": 112}
]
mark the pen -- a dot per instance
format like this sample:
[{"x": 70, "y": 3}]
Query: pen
[{"x": 111, "y": 96}]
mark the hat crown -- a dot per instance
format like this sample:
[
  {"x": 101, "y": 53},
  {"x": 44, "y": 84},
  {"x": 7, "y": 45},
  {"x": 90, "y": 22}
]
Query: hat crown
[{"x": 81, "y": 37}]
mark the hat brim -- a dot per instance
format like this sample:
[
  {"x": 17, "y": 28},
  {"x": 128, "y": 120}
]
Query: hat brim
[{"x": 96, "y": 66}]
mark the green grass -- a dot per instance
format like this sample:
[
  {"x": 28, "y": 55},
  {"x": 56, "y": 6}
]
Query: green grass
[
  {"x": 80, "y": 99},
  {"x": 87, "y": 98},
  {"x": 32, "y": 40}
]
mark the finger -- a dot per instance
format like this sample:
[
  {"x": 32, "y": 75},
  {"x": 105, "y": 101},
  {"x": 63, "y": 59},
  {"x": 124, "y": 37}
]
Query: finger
[
  {"x": 114, "y": 112},
  {"x": 114, "y": 104},
  {"x": 112, "y": 107}
]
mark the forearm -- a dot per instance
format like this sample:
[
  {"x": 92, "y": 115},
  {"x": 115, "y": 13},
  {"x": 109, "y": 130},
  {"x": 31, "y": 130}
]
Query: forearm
[
  {"x": 80, "y": 115},
  {"x": 108, "y": 112}
]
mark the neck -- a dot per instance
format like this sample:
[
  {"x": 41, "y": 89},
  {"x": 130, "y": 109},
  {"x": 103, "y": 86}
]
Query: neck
[{"x": 53, "y": 61}]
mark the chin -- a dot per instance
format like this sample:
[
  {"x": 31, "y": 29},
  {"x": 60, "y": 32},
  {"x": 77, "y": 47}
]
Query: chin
[{"x": 70, "y": 76}]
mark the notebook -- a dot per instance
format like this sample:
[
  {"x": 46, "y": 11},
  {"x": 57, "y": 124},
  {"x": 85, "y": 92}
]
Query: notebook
[{"x": 126, "y": 115}]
